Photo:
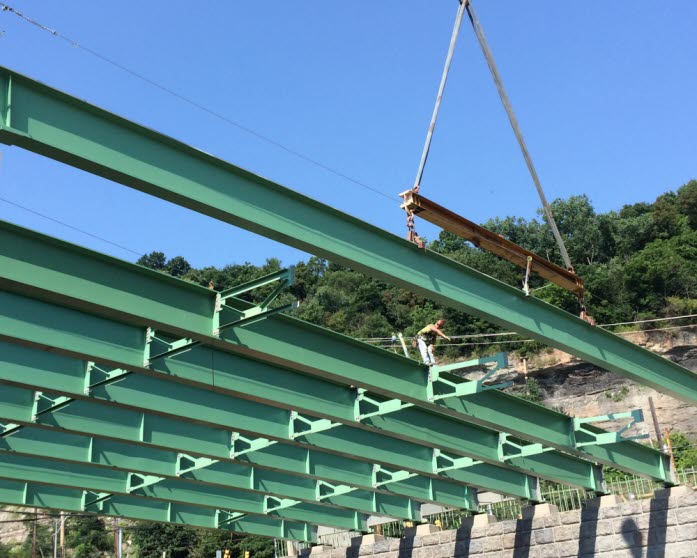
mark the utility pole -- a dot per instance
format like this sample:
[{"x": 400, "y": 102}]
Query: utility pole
[
  {"x": 55, "y": 537},
  {"x": 63, "y": 519},
  {"x": 116, "y": 542},
  {"x": 33, "y": 539}
]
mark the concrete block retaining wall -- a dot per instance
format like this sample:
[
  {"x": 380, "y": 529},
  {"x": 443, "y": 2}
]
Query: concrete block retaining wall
[{"x": 655, "y": 528}]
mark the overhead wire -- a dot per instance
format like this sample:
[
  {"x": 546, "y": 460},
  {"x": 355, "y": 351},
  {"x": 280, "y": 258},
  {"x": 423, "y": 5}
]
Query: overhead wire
[
  {"x": 5, "y": 200},
  {"x": 196, "y": 104},
  {"x": 506, "y": 333}
]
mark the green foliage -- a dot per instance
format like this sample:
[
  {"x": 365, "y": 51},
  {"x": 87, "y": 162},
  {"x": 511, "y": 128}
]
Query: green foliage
[
  {"x": 619, "y": 395},
  {"x": 684, "y": 450},
  {"x": 532, "y": 391},
  {"x": 152, "y": 539},
  {"x": 87, "y": 536}
]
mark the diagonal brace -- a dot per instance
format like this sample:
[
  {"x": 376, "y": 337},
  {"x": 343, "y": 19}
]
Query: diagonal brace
[
  {"x": 136, "y": 481},
  {"x": 383, "y": 476},
  {"x": 224, "y": 517},
  {"x": 312, "y": 425},
  {"x": 187, "y": 463},
  {"x": 285, "y": 279},
  {"x": 240, "y": 444},
  {"x": 600, "y": 438},
  {"x": 90, "y": 498},
  {"x": 380, "y": 407},
  {"x": 520, "y": 450},
  {"x": 465, "y": 388},
  {"x": 324, "y": 490},
  {"x": 173, "y": 348},
  {"x": 444, "y": 462}
]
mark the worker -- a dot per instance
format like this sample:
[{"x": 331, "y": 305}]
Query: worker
[{"x": 426, "y": 338}]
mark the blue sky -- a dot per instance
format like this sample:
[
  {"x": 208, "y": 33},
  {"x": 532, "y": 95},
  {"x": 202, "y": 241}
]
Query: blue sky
[{"x": 605, "y": 95}]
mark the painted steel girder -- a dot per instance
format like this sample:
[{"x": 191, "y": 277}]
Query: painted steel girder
[
  {"x": 44, "y": 120},
  {"x": 37, "y": 495},
  {"x": 112, "y": 481},
  {"x": 154, "y": 432},
  {"x": 24, "y": 252},
  {"x": 84, "y": 450},
  {"x": 94, "y": 418},
  {"x": 262, "y": 380},
  {"x": 66, "y": 375}
]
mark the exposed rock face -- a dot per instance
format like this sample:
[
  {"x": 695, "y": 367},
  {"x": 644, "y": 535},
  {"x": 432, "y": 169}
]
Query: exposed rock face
[{"x": 583, "y": 390}]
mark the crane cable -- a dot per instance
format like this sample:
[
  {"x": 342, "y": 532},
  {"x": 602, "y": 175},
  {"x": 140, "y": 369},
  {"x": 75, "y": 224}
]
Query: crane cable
[
  {"x": 479, "y": 32},
  {"x": 439, "y": 97}
]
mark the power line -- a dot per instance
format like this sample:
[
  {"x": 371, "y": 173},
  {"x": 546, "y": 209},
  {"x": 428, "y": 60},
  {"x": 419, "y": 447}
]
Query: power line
[
  {"x": 70, "y": 226},
  {"x": 195, "y": 104}
]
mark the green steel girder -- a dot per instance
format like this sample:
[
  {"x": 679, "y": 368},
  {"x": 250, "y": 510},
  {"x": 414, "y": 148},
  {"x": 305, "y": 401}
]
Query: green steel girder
[
  {"x": 68, "y": 275},
  {"x": 92, "y": 418},
  {"x": 50, "y": 372},
  {"x": 38, "y": 495},
  {"x": 109, "y": 443},
  {"x": 115, "y": 482},
  {"x": 41, "y": 119},
  {"x": 84, "y": 450},
  {"x": 31, "y": 320}
]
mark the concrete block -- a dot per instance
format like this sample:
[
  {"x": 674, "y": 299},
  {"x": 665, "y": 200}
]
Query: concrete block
[
  {"x": 430, "y": 540},
  {"x": 547, "y": 551},
  {"x": 544, "y": 536},
  {"x": 686, "y": 515},
  {"x": 492, "y": 544},
  {"x": 446, "y": 550},
  {"x": 426, "y": 529},
  {"x": 371, "y": 538},
  {"x": 509, "y": 541},
  {"x": 381, "y": 546},
  {"x": 673, "y": 492},
  {"x": 494, "y": 529},
  {"x": 565, "y": 533},
  {"x": 630, "y": 508},
  {"x": 679, "y": 550},
  {"x": 478, "y": 520},
  {"x": 606, "y": 501},
  {"x": 365, "y": 549},
  {"x": 570, "y": 517},
  {"x": 539, "y": 510},
  {"x": 320, "y": 548}
]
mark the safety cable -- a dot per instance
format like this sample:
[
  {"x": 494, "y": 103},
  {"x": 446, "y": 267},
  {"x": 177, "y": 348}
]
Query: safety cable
[{"x": 479, "y": 32}]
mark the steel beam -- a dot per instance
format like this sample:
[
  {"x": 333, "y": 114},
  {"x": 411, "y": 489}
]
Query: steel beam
[
  {"x": 150, "y": 432},
  {"x": 90, "y": 416},
  {"x": 64, "y": 375},
  {"x": 44, "y": 496},
  {"x": 41, "y": 119},
  {"x": 115, "y": 482},
  {"x": 75, "y": 449},
  {"x": 23, "y": 319}
]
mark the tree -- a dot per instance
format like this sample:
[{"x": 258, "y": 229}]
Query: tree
[
  {"x": 153, "y": 260},
  {"x": 152, "y": 539},
  {"x": 86, "y": 534},
  {"x": 687, "y": 202},
  {"x": 178, "y": 266},
  {"x": 684, "y": 451}
]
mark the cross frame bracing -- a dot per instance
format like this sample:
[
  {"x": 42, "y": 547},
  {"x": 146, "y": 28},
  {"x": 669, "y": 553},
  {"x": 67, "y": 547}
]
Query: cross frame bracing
[{"x": 131, "y": 393}]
